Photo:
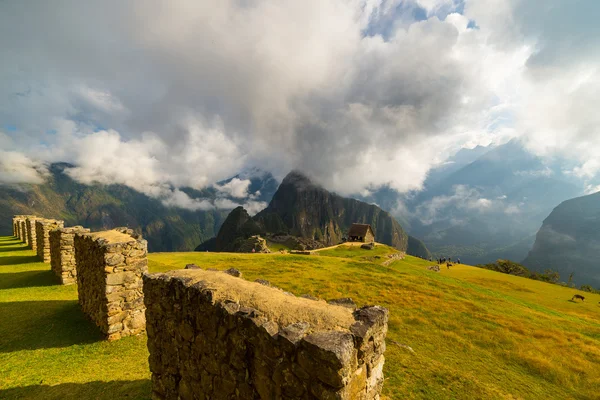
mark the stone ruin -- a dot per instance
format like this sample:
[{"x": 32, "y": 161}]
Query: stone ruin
[
  {"x": 62, "y": 253},
  {"x": 24, "y": 232},
  {"x": 42, "y": 236},
  {"x": 214, "y": 336},
  {"x": 109, "y": 267},
  {"x": 31, "y": 231},
  {"x": 17, "y": 231}
]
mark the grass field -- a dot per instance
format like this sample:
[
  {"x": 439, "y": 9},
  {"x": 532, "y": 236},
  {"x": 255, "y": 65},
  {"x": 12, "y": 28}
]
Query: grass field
[{"x": 476, "y": 334}]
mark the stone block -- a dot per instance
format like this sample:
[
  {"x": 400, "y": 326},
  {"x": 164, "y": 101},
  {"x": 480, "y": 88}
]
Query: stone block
[
  {"x": 109, "y": 269},
  {"x": 43, "y": 227},
  {"x": 62, "y": 253},
  {"x": 213, "y": 335}
]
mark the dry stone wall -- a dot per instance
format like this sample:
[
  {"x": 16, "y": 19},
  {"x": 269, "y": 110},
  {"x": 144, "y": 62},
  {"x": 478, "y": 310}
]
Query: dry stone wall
[
  {"x": 215, "y": 336},
  {"x": 42, "y": 233},
  {"x": 17, "y": 231},
  {"x": 31, "y": 231},
  {"x": 24, "y": 232},
  {"x": 62, "y": 253},
  {"x": 109, "y": 267}
]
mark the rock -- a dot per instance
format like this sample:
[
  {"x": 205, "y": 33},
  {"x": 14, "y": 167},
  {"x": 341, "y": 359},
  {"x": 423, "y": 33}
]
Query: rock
[
  {"x": 367, "y": 246},
  {"x": 434, "y": 268},
  {"x": 192, "y": 266},
  {"x": 263, "y": 282},
  {"x": 344, "y": 302},
  {"x": 234, "y": 272}
]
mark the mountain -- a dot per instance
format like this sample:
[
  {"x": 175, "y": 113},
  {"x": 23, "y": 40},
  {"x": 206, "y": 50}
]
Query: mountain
[
  {"x": 569, "y": 241},
  {"x": 303, "y": 209},
  {"x": 487, "y": 203},
  {"x": 107, "y": 206}
]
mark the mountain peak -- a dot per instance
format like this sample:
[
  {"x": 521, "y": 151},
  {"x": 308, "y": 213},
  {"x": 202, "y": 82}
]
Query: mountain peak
[{"x": 297, "y": 179}]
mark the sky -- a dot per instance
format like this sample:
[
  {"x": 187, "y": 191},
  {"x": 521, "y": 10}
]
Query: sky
[{"x": 358, "y": 94}]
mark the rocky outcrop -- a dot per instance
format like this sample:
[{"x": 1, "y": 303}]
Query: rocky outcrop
[
  {"x": 62, "y": 253},
  {"x": 110, "y": 265},
  {"x": 237, "y": 227},
  {"x": 302, "y": 208},
  {"x": 254, "y": 244},
  {"x": 42, "y": 229},
  {"x": 214, "y": 336}
]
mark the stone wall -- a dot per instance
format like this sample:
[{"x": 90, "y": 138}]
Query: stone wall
[
  {"x": 23, "y": 231},
  {"x": 110, "y": 266},
  {"x": 31, "y": 233},
  {"x": 214, "y": 336},
  {"x": 62, "y": 253},
  {"x": 17, "y": 230},
  {"x": 42, "y": 233}
]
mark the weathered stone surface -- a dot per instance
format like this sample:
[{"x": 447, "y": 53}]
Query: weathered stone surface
[
  {"x": 62, "y": 253},
  {"x": 434, "y": 268},
  {"x": 214, "y": 336},
  {"x": 344, "y": 302},
  {"x": 192, "y": 266},
  {"x": 42, "y": 236},
  {"x": 109, "y": 269},
  {"x": 234, "y": 272}
]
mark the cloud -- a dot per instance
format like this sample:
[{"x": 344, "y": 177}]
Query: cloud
[
  {"x": 465, "y": 198},
  {"x": 18, "y": 168},
  {"x": 236, "y": 187},
  {"x": 356, "y": 93}
]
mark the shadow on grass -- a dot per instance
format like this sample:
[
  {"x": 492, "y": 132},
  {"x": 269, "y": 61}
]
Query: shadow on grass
[
  {"x": 20, "y": 247},
  {"x": 134, "y": 390},
  {"x": 26, "y": 279},
  {"x": 16, "y": 260},
  {"x": 30, "y": 325},
  {"x": 10, "y": 243}
]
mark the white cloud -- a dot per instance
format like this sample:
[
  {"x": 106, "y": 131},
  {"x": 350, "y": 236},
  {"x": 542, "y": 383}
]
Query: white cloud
[
  {"x": 355, "y": 93},
  {"x": 18, "y": 168},
  {"x": 236, "y": 187}
]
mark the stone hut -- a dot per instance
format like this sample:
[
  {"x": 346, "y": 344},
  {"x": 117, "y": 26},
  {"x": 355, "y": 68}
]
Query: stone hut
[
  {"x": 42, "y": 233},
  {"x": 361, "y": 233},
  {"x": 214, "y": 336},
  {"x": 31, "y": 231},
  {"x": 110, "y": 265},
  {"x": 62, "y": 253}
]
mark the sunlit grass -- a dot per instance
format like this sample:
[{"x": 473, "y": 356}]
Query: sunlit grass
[{"x": 475, "y": 333}]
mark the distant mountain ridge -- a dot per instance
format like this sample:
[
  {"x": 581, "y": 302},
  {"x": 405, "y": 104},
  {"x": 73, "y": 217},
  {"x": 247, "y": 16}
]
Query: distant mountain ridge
[
  {"x": 486, "y": 203},
  {"x": 569, "y": 241},
  {"x": 108, "y": 206},
  {"x": 302, "y": 208}
]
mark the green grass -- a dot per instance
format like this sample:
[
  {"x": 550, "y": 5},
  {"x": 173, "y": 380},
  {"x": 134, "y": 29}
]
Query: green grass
[{"x": 476, "y": 334}]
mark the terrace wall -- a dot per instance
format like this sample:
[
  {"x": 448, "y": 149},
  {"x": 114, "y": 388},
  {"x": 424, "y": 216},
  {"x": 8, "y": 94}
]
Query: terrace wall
[
  {"x": 42, "y": 233},
  {"x": 62, "y": 253},
  {"x": 215, "y": 336},
  {"x": 109, "y": 267}
]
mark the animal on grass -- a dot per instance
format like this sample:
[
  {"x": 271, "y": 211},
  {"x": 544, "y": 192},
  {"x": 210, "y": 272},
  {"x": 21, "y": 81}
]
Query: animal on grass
[{"x": 578, "y": 296}]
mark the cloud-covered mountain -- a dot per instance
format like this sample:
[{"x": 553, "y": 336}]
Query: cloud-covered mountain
[
  {"x": 569, "y": 241},
  {"x": 98, "y": 206},
  {"x": 357, "y": 93},
  {"x": 487, "y": 203}
]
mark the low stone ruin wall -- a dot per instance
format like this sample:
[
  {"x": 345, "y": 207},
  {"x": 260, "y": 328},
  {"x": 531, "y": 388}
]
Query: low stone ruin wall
[
  {"x": 31, "y": 231},
  {"x": 215, "y": 336},
  {"x": 17, "y": 231},
  {"x": 110, "y": 266},
  {"x": 42, "y": 233},
  {"x": 62, "y": 253}
]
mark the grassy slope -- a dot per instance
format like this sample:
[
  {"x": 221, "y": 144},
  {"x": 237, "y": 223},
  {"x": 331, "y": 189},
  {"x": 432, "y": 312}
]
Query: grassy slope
[{"x": 475, "y": 333}]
